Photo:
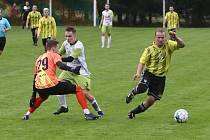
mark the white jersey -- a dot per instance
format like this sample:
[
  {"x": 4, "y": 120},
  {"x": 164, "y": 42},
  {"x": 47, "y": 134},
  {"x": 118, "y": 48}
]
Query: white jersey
[
  {"x": 108, "y": 15},
  {"x": 80, "y": 61}
]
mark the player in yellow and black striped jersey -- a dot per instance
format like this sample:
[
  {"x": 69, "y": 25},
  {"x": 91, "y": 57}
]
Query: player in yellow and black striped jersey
[
  {"x": 33, "y": 19},
  {"x": 154, "y": 63},
  {"x": 47, "y": 27}
]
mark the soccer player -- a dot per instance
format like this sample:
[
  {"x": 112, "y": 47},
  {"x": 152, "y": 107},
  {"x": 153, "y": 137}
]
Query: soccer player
[
  {"x": 26, "y": 9},
  {"x": 33, "y": 18},
  {"x": 4, "y": 28},
  {"x": 46, "y": 82},
  {"x": 153, "y": 66},
  {"x": 172, "y": 20},
  {"x": 74, "y": 49},
  {"x": 47, "y": 27},
  {"x": 106, "y": 26}
]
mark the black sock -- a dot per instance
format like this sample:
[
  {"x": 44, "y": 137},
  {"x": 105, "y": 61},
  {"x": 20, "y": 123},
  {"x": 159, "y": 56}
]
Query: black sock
[
  {"x": 34, "y": 39},
  {"x": 139, "y": 109}
]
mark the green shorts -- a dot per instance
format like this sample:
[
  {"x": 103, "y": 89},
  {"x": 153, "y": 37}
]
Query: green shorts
[
  {"x": 82, "y": 81},
  {"x": 106, "y": 29}
]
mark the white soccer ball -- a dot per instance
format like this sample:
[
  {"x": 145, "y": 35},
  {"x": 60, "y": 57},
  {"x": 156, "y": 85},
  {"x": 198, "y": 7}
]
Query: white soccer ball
[{"x": 181, "y": 115}]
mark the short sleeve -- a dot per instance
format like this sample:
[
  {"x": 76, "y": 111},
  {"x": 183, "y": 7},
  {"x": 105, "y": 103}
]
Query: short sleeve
[
  {"x": 56, "y": 58},
  {"x": 145, "y": 56},
  {"x": 7, "y": 24},
  {"x": 62, "y": 49},
  {"x": 172, "y": 45}
]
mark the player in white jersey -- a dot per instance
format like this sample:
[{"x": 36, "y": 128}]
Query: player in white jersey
[
  {"x": 106, "y": 25},
  {"x": 73, "y": 50}
]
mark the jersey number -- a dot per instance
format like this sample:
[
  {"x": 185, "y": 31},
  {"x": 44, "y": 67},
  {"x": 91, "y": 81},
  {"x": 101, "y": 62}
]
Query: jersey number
[{"x": 43, "y": 63}]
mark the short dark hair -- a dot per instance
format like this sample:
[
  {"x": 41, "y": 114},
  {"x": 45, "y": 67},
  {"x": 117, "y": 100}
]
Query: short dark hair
[
  {"x": 162, "y": 30},
  {"x": 70, "y": 29},
  {"x": 51, "y": 43}
]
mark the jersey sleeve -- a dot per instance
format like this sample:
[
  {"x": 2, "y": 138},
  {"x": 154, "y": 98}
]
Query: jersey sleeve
[
  {"x": 7, "y": 24},
  {"x": 145, "y": 56},
  {"x": 172, "y": 45},
  {"x": 56, "y": 58},
  {"x": 40, "y": 27},
  {"x": 54, "y": 27},
  {"x": 77, "y": 51},
  {"x": 62, "y": 49}
]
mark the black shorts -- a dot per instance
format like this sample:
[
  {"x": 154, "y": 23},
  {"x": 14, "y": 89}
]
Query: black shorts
[
  {"x": 2, "y": 43},
  {"x": 44, "y": 41},
  {"x": 60, "y": 89},
  {"x": 155, "y": 84}
]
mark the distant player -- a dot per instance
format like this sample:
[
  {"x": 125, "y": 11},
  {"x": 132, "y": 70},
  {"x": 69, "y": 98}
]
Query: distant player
[
  {"x": 106, "y": 25},
  {"x": 74, "y": 50},
  {"x": 46, "y": 82},
  {"x": 172, "y": 20},
  {"x": 26, "y": 9},
  {"x": 33, "y": 19},
  {"x": 4, "y": 28},
  {"x": 47, "y": 27},
  {"x": 153, "y": 66}
]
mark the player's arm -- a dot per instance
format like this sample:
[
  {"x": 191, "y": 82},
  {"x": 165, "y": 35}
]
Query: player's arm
[
  {"x": 178, "y": 26},
  {"x": 54, "y": 29},
  {"x": 166, "y": 19},
  {"x": 180, "y": 42},
  {"x": 139, "y": 70},
  {"x": 39, "y": 28},
  {"x": 7, "y": 26},
  {"x": 62, "y": 50},
  {"x": 102, "y": 18},
  {"x": 74, "y": 54},
  {"x": 63, "y": 66},
  {"x": 33, "y": 96}
]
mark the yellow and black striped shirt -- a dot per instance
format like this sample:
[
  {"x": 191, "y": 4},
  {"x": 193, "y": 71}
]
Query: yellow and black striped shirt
[
  {"x": 172, "y": 20},
  {"x": 47, "y": 27},
  {"x": 33, "y": 19},
  {"x": 157, "y": 60}
]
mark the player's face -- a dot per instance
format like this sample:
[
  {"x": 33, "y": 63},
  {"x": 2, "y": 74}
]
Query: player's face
[
  {"x": 46, "y": 12},
  {"x": 34, "y": 8},
  {"x": 160, "y": 38},
  {"x": 70, "y": 37},
  {"x": 106, "y": 7},
  {"x": 27, "y": 3},
  {"x": 171, "y": 9}
]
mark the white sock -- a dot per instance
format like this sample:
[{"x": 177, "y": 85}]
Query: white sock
[
  {"x": 62, "y": 100},
  {"x": 109, "y": 41},
  {"x": 28, "y": 113},
  {"x": 102, "y": 41},
  {"x": 86, "y": 111}
]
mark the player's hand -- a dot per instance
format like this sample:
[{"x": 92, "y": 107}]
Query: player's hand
[
  {"x": 136, "y": 76},
  {"x": 53, "y": 38},
  {"x": 172, "y": 34},
  {"x": 76, "y": 70}
]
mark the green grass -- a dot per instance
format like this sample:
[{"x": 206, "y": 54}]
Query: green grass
[{"x": 187, "y": 86}]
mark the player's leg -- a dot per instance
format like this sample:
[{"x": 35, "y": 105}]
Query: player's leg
[
  {"x": 42, "y": 97},
  {"x": 142, "y": 107},
  {"x": 2, "y": 44},
  {"x": 68, "y": 88},
  {"x": 36, "y": 39},
  {"x": 140, "y": 88},
  {"x": 156, "y": 89},
  {"x": 33, "y": 35},
  {"x": 44, "y": 41},
  {"x": 61, "y": 98},
  {"x": 103, "y": 31},
  {"x": 109, "y": 36}
]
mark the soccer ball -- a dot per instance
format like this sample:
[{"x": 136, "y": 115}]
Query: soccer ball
[{"x": 181, "y": 115}]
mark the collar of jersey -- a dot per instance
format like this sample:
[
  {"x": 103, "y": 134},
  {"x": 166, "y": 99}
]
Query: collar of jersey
[{"x": 73, "y": 43}]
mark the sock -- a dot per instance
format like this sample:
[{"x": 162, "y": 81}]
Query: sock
[
  {"x": 37, "y": 103},
  {"x": 102, "y": 41},
  {"x": 34, "y": 39},
  {"x": 109, "y": 41},
  {"x": 95, "y": 105},
  {"x": 86, "y": 111},
  {"x": 139, "y": 109},
  {"x": 81, "y": 98},
  {"x": 62, "y": 100}
]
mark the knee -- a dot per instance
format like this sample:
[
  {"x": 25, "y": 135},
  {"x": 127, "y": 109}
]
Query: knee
[{"x": 141, "y": 88}]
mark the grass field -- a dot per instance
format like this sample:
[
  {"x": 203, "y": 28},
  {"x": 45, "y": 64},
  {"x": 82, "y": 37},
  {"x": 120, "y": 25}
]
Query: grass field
[{"x": 187, "y": 86}]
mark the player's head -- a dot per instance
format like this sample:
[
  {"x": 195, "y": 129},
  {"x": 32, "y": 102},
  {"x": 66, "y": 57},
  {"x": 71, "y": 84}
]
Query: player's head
[
  {"x": 171, "y": 8},
  {"x": 106, "y": 6},
  {"x": 70, "y": 34},
  {"x": 160, "y": 36},
  {"x": 46, "y": 12},
  {"x": 27, "y": 3},
  {"x": 34, "y": 8},
  {"x": 52, "y": 45}
]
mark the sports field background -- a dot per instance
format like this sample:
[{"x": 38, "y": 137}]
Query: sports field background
[{"x": 187, "y": 87}]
